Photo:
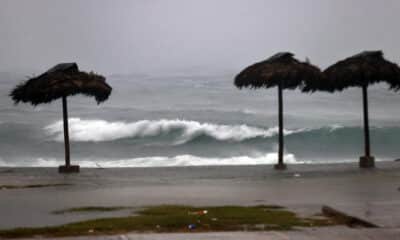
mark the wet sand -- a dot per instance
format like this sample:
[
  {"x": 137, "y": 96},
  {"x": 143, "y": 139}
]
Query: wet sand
[{"x": 371, "y": 194}]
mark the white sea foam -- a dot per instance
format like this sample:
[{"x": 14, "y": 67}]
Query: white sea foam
[
  {"x": 177, "y": 161},
  {"x": 101, "y": 130},
  {"x": 157, "y": 161},
  {"x": 335, "y": 127}
]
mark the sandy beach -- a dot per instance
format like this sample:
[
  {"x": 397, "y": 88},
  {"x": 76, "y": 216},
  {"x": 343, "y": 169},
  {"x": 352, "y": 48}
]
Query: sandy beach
[{"x": 369, "y": 194}]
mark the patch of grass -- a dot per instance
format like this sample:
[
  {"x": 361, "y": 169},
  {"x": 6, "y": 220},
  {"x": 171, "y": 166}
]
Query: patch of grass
[
  {"x": 90, "y": 209},
  {"x": 170, "y": 218},
  {"x": 6, "y": 187}
]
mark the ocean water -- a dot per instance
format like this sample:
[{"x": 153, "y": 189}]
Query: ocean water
[{"x": 196, "y": 119}]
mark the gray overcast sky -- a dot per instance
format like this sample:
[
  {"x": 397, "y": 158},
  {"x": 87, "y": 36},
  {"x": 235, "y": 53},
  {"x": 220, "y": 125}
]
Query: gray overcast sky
[{"x": 167, "y": 36}]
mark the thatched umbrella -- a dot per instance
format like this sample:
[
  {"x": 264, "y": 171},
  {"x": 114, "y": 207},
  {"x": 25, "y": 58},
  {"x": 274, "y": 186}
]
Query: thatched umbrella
[
  {"x": 61, "y": 81},
  {"x": 285, "y": 72},
  {"x": 361, "y": 70}
]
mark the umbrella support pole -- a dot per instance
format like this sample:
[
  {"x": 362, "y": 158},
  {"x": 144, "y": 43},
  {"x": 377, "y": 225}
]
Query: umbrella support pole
[
  {"x": 280, "y": 165},
  {"x": 366, "y": 161},
  {"x": 68, "y": 168}
]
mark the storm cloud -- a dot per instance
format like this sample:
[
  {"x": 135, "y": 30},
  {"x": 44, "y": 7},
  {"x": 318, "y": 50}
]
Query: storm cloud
[{"x": 164, "y": 36}]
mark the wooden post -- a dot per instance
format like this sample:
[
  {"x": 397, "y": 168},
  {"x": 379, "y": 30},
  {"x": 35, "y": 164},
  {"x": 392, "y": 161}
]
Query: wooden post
[
  {"x": 280, "y": 165},
  {"x": 366, "y": 161},
  {"x": 68, "y": 168},
  {"x": 66, "y": 134},
  {"x": 366, "y": 122}
]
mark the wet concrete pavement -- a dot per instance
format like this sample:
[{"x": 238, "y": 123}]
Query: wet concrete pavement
[{"x": 372, "y": 195}]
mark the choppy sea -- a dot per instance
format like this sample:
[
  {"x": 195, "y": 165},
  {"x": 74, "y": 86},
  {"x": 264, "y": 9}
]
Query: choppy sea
[{"x": 196, "y": 119}]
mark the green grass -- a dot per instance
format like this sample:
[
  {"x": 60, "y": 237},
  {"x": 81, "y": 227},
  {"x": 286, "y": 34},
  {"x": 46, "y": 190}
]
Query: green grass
[
  {"x": 90, "y": 209},
  {"x": 6, "y": 187},
  {"x": 169, "y": 218}
]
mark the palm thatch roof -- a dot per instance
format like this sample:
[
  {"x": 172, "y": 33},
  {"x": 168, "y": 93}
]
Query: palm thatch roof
[
  {"x": 282, "y": 68},
  {"x": 62, "y": 80},
  {"x": 363, "y": 69}
]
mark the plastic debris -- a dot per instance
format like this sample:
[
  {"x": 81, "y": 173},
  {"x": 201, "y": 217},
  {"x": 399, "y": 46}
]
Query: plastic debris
[
  {"x": 214, "y": 219},
  {"x": 191, "y": 226},
  {"x": 296, "y": 175},
  {"x": 199, "y": 213}
]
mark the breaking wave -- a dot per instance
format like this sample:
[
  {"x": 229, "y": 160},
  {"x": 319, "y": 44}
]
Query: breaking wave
[{"x": 182, "y": 131}]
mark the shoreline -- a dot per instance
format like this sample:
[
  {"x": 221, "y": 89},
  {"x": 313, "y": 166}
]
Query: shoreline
[{"x": 329, "y": 164}]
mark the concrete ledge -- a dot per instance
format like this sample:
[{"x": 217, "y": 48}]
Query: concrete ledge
[
  {"x": 350, "y": 221},
  {"x": 367, "y": 162},
  {"x": 69, "y": 169},
  {"x": 280, "y": 166}
]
